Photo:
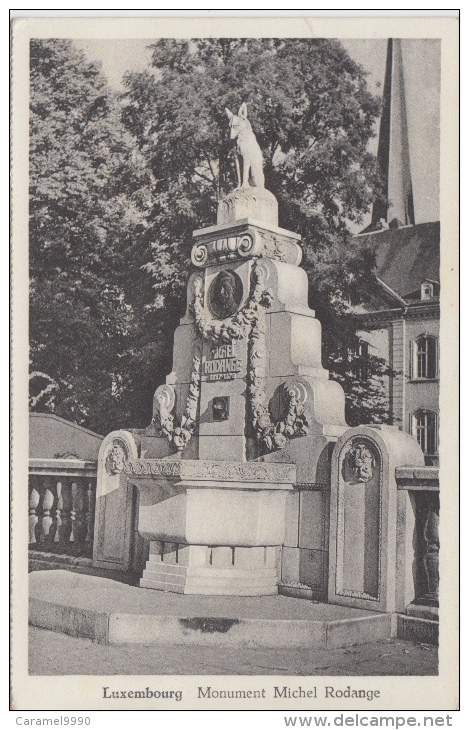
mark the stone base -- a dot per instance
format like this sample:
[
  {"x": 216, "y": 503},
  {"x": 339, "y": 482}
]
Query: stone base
[
  {"x": 113, "y": 613},
  {"x": 422, "y": 610},
  {"x": 212, "y": 571},
  {"x": 296, "y": 591},
  {"x": 257, "y": 203},
  {"x": 210, "y": 581},
  {"x": 421, "y": 630}
]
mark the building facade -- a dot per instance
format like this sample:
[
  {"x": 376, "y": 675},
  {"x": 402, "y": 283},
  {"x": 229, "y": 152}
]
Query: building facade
[
  {"x": 402, "y": 328},
  {"x": 401, "y": 325}
]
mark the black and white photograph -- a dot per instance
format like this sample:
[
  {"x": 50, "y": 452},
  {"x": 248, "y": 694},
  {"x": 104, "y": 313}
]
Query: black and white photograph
[{"x": 235, "y": 364}]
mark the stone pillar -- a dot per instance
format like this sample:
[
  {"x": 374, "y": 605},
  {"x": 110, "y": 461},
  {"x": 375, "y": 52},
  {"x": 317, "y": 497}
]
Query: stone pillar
[
  {"x": 370, "y": 564},
  {"x": 114, "y": 515}
]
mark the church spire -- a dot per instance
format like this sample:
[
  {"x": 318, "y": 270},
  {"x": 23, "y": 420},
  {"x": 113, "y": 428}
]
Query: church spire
[{"x": 393, "y": 147}]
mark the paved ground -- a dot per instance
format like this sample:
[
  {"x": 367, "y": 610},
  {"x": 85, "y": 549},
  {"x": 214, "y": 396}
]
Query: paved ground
[
  {"x": 54, "y": 653},
  {"x": 108, "y": 596}
]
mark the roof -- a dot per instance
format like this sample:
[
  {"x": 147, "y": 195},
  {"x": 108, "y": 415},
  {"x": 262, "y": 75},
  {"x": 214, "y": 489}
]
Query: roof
[
  {"x": 406, "y": 256},
  {"x": 52, "y": 437}
]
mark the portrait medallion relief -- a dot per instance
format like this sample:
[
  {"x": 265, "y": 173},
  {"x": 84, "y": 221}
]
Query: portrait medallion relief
[{"x": 225, "y": 294}]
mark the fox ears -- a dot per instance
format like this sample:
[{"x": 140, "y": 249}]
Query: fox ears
[{"x": 243, "y": 112}]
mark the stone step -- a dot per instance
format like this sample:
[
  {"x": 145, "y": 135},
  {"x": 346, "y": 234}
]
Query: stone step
[
  {"x": 252, "y": 582},
  {"x": 166, "y": 567},
  {"x": 110, "y": 612},
  {"x": 161, "y": 585},
  {"x": 209, "y": 579},
  {"x": 418, "y": 629},
  {"x": 161, "y": 575},
  {"x": 234, "y": 573},
  {"x": 233, "y": 590}
]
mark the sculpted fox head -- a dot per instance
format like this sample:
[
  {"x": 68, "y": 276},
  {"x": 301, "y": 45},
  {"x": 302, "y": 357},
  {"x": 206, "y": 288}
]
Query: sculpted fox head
[{"x": 238, "y": 122}]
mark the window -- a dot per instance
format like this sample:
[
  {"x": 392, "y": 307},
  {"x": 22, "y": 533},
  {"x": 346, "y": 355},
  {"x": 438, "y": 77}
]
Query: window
[
  {"x": 426, "y": 290},
  {"x": 363, "y": 363},
  {"x": 424, "y": 361},
  {"x": 359, "y": 359},
  {"x": 424, "y": 428}
]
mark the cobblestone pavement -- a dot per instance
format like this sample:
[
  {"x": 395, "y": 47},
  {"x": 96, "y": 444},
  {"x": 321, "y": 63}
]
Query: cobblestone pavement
[{"x": 54, "y": 653}]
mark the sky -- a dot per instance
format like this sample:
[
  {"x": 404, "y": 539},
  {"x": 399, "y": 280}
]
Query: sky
[{"x": 421, "y": 58}]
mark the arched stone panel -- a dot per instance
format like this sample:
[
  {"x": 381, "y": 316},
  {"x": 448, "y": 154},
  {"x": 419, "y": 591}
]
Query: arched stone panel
[{"x": 115, "y": 504}]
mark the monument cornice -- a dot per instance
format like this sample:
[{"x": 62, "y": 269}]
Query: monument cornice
[
  {"x": 244, "y": 239},
  {"x": 213, "y": 471}
]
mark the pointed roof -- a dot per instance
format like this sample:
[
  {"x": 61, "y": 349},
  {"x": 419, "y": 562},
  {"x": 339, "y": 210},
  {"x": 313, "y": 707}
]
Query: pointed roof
[
  {"x": 406, "y": 257},
  {"x": 393, "y": 148}
]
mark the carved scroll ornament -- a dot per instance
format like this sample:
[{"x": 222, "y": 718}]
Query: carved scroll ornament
[{"x": 163, "y": 404}]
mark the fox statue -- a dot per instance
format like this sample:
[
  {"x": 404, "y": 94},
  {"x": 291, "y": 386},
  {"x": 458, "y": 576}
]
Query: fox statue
[{"x": 247, "y": 148}]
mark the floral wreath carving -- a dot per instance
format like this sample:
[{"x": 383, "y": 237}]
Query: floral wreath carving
[
  {"x": 164, "y": 401},
  {"x": 238, "y": 325},
  {"x": 250, "y": 320}
]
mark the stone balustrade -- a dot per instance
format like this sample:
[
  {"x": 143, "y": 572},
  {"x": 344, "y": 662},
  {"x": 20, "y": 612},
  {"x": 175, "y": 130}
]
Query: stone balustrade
[
  {"x": 423, "y": 486},
  {"x": 61, "y": 501}
]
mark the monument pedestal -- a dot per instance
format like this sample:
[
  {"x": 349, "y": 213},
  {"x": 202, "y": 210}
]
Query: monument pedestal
[
  {"x": 214, "y": 527},
  {"x": 208, "y": 570},
  {"x": 246, "y": 413}
]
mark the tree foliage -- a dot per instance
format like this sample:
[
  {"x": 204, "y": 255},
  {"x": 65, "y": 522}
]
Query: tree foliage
[
  {"x": 92, "y": 336},
  {"x": 313, "y": 116},
  {"x": 117, "y": 185}
]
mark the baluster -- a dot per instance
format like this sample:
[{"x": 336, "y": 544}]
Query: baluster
[
  {"x": 89, "y": 517},
  {"x": 58, "y": 512},
  {"x": 40, "y": 510},
  {"x": 432, "y": 545},
  {"x": 53, "y": 536},
  {"x": 47, "y": 503},
  {"x": 66, "y": 529},
  {"x": 79, "y": 531},
  {"x": 73, "y": 514},
  {"x": 33, "y": 505}
]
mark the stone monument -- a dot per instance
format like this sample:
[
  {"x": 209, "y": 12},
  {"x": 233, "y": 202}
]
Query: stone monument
[
  {"x": 231, "y": 483},
  {"x": 222, "y": 453}
]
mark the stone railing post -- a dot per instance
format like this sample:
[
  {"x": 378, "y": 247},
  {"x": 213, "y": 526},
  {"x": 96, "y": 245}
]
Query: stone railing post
[
  {"x": 115, "y": 504},
  {"x": 371, "y": 560},
  {"x": 431, "y": 557},
  {"x": 420, "y": 487}
]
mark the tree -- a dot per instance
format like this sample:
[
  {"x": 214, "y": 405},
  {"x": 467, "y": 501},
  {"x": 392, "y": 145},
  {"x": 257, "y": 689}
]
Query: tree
[
  {"x": 313, "y": 116},
  {"x": 93, "y": 341}
]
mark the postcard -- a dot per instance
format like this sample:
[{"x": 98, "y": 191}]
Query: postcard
[{"x": 234, "y": 327}]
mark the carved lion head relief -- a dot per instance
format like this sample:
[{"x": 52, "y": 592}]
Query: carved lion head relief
[
  {"x": 115, "y": 458},
  {"x": 361, "y": 462}
]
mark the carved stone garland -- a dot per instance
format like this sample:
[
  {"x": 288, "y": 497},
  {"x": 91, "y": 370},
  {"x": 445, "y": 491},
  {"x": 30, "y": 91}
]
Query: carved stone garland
[
  {"x": 271, "y": 435},
  {"x": 165, "y": 398},
  {"x": 251, "y": 320}
]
